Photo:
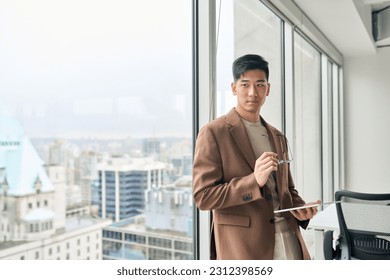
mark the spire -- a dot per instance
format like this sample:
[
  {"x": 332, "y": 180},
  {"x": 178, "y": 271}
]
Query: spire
[
  {"x": 20, "y": 161},
  {"x": 37, "y": 185},
  {"x": 4, "y": 185}
]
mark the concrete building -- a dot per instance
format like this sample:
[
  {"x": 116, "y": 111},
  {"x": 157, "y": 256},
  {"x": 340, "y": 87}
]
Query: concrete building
[
  {"x": 33, "y": 223},
  {"x": 164, "y": 232}
]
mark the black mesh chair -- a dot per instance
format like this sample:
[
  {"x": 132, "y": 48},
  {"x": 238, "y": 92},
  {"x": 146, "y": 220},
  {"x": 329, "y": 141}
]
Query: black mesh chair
[{"x": 364, "y": 221}]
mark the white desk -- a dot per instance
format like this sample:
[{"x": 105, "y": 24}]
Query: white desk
[{"x": 323, "y": 221}]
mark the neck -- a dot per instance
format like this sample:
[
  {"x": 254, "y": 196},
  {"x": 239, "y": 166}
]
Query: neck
[{"x": 251, "y": 117}]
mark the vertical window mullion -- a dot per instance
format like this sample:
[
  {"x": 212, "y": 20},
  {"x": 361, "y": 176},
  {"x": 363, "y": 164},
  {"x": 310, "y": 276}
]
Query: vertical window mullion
[
  {"x": 327, "y": 193},
  {"x": 205, "y": 19}
]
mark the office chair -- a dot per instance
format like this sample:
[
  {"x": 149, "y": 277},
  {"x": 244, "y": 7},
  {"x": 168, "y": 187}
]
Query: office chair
[{"x": 364, "y": 221}]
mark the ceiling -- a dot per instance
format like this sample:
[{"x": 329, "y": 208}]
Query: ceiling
[{"x": 346, "y": 23}]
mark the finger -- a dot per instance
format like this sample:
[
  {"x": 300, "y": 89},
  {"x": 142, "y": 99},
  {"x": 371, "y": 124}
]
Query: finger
[
  {"x": 296, "y": 215},
  {"x": 270, "y": 160},
  {"x": 266, "y": 163},
  {"x": 307, "y": 213},
  {"x": 311, "y": 212},
  {"x": 302, "y": 212},
  {"x": 314, "y": 202},
  {"x": 267, "y": 155},
  {"x": 270, "y": 166},
  {"x": 314, "y": 211}
]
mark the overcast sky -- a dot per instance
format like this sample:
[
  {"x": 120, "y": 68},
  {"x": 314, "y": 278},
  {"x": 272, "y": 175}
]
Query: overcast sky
[{"x": 96, "y": 67}]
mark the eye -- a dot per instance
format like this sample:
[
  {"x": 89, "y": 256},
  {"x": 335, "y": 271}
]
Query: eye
[
  {"x": 244, "y": 85},
  {"x": 261, "y": 84}
]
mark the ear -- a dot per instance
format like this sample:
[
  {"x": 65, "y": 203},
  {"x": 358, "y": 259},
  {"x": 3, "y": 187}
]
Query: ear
[
  {"x": 268, "y": 90},
  {"x": 234, "y": 88}
]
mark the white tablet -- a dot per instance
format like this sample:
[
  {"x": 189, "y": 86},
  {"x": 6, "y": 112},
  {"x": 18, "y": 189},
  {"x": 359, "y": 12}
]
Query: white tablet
[{"x": 305, "y": 206}]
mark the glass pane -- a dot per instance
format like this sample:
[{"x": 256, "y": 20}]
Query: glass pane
[
  {"x": 96, "y": 128},
  {"x": 249, "y": 27},
  {"x": 307, "y": 103}
]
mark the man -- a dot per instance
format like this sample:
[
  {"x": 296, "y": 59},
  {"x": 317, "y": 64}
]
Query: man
[{"x": 241, "y": 173}]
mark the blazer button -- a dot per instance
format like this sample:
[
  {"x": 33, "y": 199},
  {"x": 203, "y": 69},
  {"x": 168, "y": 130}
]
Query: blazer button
[
  {"x": 272, "y": 221},
  {"x": 247, "y": 197}
]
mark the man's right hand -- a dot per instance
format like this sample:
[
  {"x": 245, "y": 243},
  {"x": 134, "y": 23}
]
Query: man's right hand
[{"x": 264, "y": 166}]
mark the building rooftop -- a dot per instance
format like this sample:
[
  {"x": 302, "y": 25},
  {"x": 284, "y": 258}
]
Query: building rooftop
[
  {"x": 137, "y": 224},
  {"x": 39, "y": 214},
  {"x": 20, "y": 165},
  {"x": 131, "y": 164},
  {"x": 79, "y": 222},
  {"x": 72, "y": 224}
]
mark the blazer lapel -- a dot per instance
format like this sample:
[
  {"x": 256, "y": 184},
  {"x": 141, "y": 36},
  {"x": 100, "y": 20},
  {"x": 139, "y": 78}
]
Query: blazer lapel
[
  {"x": 241, "y": 138},
  {"x": 276, "y": 140}
]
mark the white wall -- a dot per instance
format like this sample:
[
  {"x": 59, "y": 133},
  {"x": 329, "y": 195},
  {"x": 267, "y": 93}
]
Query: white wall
[{"x": 367, "y": 128}]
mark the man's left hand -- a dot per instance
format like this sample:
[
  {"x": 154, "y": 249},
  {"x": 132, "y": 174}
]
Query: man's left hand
[{"x": 306, "y": 213}]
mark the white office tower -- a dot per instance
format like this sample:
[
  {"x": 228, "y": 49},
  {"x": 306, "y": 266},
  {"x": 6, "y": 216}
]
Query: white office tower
[
  {"x": 33, "y": 223},
  {"x": 119, "y": 191}
]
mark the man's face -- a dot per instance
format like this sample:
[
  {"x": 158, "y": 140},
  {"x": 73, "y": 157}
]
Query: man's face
[{"x": 251, "y": 90}]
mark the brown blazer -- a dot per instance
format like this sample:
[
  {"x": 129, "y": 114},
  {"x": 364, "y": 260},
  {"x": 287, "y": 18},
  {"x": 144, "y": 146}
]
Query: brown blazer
[{"x": 224, "y": 182}]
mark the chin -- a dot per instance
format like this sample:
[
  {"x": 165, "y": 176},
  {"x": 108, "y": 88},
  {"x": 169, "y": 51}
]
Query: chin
[{"x": 254, "y": 106}]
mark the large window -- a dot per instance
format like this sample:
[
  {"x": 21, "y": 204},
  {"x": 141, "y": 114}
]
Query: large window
[
  {"x": 99, "y": 94},
  {"x": 249, "y": 27},
  {"x": 304, "y": 88},
  {"x": 304, "y": 100},
  {"x": 307, "y": 119}
]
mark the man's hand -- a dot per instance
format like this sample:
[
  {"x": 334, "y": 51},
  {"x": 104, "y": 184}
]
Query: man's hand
[
  {"x": 265, "y": 164},
  {"x": 307, "y": 213}
]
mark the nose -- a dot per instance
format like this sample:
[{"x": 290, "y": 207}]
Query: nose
[{"x": 252, "y": 91}]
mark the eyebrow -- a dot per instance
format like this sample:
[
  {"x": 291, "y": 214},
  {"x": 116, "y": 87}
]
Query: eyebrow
[{"x": 245, "y": 81}]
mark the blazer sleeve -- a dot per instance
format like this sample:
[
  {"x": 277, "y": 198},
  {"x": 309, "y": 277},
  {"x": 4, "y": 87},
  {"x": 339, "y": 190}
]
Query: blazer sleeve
[
  {"x": 209, "y": 189},
  {"x": 297, "y": 200}
]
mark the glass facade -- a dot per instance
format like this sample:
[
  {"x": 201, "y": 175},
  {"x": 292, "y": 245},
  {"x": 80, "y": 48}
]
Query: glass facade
[{"x": 308, "y": 119}]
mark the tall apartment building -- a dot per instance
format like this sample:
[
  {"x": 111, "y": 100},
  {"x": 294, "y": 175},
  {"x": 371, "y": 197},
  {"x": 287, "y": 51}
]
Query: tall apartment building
[
  {"x": 119, "y": 190},
  {"x": 182, "y": 164},
  {"x": 33, "y": 222},
  {"x": 151, "y": 147},
  {"x": 86, "y": 167},
  {"x": 64, "y": 154}
]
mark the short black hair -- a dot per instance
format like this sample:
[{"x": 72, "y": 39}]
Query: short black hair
[{"x": 249, "y": 62}]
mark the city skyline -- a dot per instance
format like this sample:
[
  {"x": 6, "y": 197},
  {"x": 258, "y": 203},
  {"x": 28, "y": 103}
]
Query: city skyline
[{"x": 65, "y": 214}]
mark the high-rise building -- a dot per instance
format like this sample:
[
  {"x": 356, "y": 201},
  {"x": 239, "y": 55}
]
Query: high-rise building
[
  {"x": 64, "y": 154},
  {"x": 119, "y": 190},
  {"x": 86, "y": 167},
  {"x": 151, "y": 147},
  {"x": 182, "y": 165}
]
